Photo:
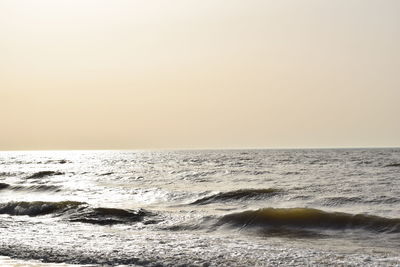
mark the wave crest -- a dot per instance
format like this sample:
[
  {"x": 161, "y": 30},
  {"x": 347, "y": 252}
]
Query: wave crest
[
  {"x": 37, "y": 208},
  {"x": 109, "y": 216},
  {"x": 310, "y": 218},
  {"x": 393, "y": 165},
  {"x": 242, "y": 194},
  {"x": 41, "y": 174},
  {"x": 77, "y": 212}
]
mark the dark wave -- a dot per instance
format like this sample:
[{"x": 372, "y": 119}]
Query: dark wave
[
  {"x": 383, "y": 200},
  {"x": 61, "y": 161},
  {"x": 6, "y": 174},
  {"x": 77, "y": 212},
  {"x": 106, "y": 174},
  {"x": 4, "y": 186},
  {"x": 36, "y": 188},
  {"x": 393, "y": 165},
  {"x": 305, "y": 218},
  {"x": 242, "y": 194},
  {"x": 42, "y": 174},
  {"x": 37, "y": 208},
  {"x": 30, "y": 188},
  {"x": 110, "y": 216},
  {"x": 291, "y": 173}
]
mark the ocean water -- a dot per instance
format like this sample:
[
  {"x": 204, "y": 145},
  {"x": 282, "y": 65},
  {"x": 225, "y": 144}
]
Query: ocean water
[{"x": 200, "y": 208}]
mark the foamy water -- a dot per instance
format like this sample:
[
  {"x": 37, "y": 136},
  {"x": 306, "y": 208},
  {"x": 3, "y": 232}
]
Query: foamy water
[{"x": 205, "y": 208}]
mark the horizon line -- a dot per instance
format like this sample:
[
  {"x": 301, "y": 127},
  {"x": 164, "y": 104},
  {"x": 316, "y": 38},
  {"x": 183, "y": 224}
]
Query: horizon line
[{"x": 205, "y": 149}]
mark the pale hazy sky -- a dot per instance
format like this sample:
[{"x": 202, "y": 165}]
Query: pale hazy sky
[{"x": 126, "y": 74}]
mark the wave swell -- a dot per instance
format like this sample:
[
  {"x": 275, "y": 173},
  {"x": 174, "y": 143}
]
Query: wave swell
[
  {"x": 77, "y": 212},
  {"x": 110, "y": 216},
  {"x": 37, "y": 208},
  {"x": 306, "y": 218},
  {"x": 42, "y": 174},
  {"x": 30, "y": 188},
  {"x": 242, "y": 194}
]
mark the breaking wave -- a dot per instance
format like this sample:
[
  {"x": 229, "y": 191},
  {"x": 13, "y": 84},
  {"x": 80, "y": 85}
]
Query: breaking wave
[
  {"x": 77, "y": 212},
  {"x": 109, "y": 216},
  {"x": 242, "y": 194},
  {"x": 37, "y": 208},
  {"x": 306, "y": 218}
]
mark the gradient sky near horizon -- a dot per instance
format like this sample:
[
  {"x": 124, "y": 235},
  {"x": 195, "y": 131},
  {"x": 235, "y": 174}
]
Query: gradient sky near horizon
[{"x": 126, "y": 74}]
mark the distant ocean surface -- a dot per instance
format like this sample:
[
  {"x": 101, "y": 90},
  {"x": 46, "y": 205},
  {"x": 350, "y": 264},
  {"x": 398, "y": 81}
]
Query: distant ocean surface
[{"x": 201, "y": 208}]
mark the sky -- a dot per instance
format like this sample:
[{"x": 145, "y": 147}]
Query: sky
[{"x": 186, "y": 74}]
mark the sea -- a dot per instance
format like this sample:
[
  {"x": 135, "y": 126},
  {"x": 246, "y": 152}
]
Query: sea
[{"x": 286, "y": 207}]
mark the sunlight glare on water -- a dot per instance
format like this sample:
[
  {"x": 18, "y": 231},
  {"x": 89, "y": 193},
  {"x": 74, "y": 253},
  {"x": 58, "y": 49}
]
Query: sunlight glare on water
[{"x": 205, "y": 207}]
